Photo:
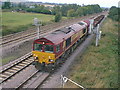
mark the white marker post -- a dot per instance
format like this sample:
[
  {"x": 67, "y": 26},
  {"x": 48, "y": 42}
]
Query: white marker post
[
  {"x": 65, "y": 79},
  {"x": 91, "y": 26},
  {"x": 100, "y": 35},
  {"x": 36, "y": 23},
  {"x": 97, "y": 35}
]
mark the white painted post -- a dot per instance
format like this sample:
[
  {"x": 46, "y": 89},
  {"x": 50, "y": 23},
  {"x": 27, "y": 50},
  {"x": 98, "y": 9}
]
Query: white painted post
[
  {"x": 65, "y": 79},
  {"x": 90, "y": 29},
  {"x": 97, "y": 35},
  {"x": 100, "y": 35},
  {"x": 91, "y": 26},
  {"x": 92, "y": 23}
]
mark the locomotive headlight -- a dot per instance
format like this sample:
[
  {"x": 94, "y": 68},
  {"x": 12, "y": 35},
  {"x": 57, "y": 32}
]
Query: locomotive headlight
[
  {"x": 35, "y": 58},
  {"x": 50, "y": 60}
]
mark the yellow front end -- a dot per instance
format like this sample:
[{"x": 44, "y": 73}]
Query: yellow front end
[{"x": 43, "y": 57}]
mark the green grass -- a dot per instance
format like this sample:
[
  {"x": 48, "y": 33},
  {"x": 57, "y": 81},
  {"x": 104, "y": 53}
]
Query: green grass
[
  {"x": 7, "y": 60},
  {"x": 15, "y": 22},
  {"x": 98, "y": 68}
]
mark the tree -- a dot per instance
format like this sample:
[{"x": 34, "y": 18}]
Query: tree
[
  {"x": 113, "y": 13},
  {"x": 79, "y": 11},
  {"x": 71, "y": 13},
  {"x": 56, "y": 9},
  {"x": 7, "y": 5},
  {"x": 58, "y": 17},
  {"x": 65, "y": 8}
]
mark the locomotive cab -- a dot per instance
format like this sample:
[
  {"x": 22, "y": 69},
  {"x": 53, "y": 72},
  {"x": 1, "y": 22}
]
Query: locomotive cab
[{"x": 43, "y": 52}]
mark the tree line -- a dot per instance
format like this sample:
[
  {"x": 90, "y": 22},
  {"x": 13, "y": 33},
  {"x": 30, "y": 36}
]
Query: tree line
[
  {"x": 74, "y": 10},
  {"x": 114, "y": 12},
  {"x": 67, "y": 10}
]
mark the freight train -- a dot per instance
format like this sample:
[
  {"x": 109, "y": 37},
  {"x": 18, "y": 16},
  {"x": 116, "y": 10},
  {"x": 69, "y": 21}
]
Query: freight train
[{"x": 52, "y": 49}]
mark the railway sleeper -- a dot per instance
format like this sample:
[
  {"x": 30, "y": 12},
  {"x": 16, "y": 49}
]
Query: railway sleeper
[
  {"x": 8, "y": 73},
  {"x": 19, "y": 66},
  {"x": 22, "y": 64},
  {"x": 30, "y": 60},
  {"x": 3, "y": 76},
  {"x": 26, "y": 62},
  {"x": 12, "y": 70}
]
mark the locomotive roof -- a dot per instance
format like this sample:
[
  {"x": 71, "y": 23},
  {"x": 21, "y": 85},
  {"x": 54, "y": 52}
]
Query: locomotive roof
[{"x": 59, "y": 35}]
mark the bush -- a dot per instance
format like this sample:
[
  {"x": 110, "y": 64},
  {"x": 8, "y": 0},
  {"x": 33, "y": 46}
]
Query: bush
[
  {"x": 113, "y": 13},
  {"x": 58, "y": 17}
]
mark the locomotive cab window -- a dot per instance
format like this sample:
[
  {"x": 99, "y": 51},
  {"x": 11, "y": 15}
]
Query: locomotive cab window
[
  {"x": 49, "y": 48},
  {"x": 68, "y": 42},
  {"x": 57, "y": 48},
  {"x": 84, "y": 30},
  {"x": 38, "y": 47}
]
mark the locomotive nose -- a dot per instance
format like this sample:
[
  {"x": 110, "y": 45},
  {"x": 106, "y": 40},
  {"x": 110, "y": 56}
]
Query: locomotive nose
[{"x": 43, "y": 57}]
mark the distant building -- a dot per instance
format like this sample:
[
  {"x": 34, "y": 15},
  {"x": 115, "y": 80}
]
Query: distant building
[
  {"x": 31, "y": 6},
  {"x": 48, "y": 5}
]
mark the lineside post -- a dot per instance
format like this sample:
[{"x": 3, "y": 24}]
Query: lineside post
[
  {"x": 65, "y": 79},
  {"x": 91, "y": 26},
  {"x": 38, "y": 24},
  {"x": 97, "y": 35},
  {"x": 100, "y": 34}
]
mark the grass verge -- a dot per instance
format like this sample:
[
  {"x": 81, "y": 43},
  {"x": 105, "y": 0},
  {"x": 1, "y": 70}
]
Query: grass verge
[{"x": 13, "y": 22}]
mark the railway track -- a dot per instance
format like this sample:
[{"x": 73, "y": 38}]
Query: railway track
[
  {"x": 35, "y": 80},
  {"x": 15, "y": 68}
]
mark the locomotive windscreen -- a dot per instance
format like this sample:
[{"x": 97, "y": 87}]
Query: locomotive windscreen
[
  {"x": 43, "y": 48},
  {"x": 49, "y": 48},
  {"x": 38, "y": 47}
]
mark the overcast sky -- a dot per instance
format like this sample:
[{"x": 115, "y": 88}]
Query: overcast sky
[{"x": 102, "y": 3}]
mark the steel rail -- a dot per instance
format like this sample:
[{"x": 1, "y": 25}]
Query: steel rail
[{"x": 15, "y": 68}]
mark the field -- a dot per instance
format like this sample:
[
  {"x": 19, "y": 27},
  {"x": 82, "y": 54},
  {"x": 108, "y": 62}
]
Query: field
[
  {"x": 98, "y": 68},
  {"x": 15, "y": 22}
]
